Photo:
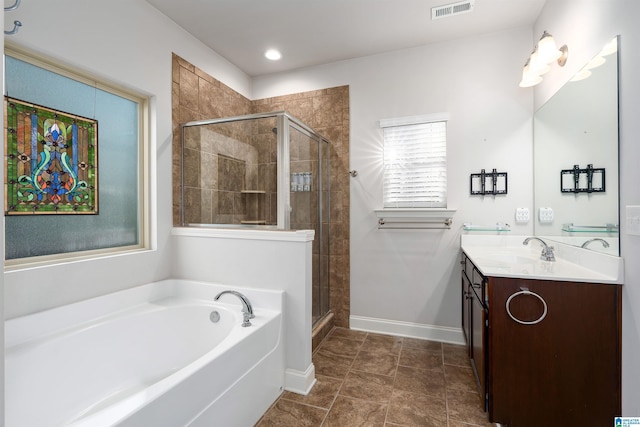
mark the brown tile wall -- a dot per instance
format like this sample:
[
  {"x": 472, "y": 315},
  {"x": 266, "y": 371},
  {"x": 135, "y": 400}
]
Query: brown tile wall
[
  {"x": 197, "y": 96},
  {"x": 327, "y": 112}
]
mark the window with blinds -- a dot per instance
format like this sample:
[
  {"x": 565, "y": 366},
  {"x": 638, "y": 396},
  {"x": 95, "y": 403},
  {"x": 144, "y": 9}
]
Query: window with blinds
[{"x": 415, "y": 162}]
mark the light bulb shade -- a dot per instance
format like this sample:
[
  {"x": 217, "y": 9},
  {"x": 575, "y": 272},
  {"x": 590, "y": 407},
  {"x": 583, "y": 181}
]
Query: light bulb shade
[
  {"x": 548, "y": 51},
  {"x": 536, "y": 65},
  {"x": 529, "y": 78}
]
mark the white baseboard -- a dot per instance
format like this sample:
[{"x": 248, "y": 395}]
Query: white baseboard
[
  {"x": 298, "y": 381},
  {"x": 407, "y": 329}
]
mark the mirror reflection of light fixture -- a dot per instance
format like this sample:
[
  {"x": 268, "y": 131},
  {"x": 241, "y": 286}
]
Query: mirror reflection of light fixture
[
  {"x": 595, "y": 62},
  {"x": 598, "y": 60},
  {"x": 581, "y": 75},
  {"x": 544, "y": 54},
  {"x": 609, "y": 48}
]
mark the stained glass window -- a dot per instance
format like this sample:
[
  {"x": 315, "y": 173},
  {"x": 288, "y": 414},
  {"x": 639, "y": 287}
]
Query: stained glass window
[
  {"x": 51, "y": 161},
  {"x": 116, "y": 174}
]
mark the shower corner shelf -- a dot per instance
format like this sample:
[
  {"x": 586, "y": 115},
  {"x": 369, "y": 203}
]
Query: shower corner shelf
[{"x": 259, "y": 211}]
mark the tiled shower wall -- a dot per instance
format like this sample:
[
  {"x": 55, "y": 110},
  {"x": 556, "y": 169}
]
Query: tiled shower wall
[
  {"x": 221, "y": 170},
  {"x": 198, "y": 96}
]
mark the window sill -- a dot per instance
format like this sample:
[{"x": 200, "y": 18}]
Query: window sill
[{"x": 415, "y": 217}]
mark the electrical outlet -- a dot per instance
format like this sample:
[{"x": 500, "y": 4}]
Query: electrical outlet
[
  {"x": 546, "y": 215},
  {"x": 522, "y": 215},
  {"x": 633, "y": 220}
]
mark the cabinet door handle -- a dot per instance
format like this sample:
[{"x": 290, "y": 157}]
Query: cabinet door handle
[{"x": 523, "y": 322}]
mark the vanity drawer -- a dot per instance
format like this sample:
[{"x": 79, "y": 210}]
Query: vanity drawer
[
  {"x": 467, "y": 266},
  {"x": 479, "y": 284}
]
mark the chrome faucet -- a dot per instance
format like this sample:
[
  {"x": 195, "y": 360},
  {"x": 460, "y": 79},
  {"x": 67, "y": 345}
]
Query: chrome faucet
[
  {"x": 547, "y": 251},
  {"x": 247, "y": 310},
  {"x": 597, "y": 239}
]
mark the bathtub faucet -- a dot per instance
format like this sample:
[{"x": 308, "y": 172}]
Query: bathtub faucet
[{"x": 247, "y": 310}]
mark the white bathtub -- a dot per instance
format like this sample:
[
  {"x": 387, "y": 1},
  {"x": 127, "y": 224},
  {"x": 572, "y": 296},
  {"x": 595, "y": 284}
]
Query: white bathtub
[{"x": 148, "y": 356}]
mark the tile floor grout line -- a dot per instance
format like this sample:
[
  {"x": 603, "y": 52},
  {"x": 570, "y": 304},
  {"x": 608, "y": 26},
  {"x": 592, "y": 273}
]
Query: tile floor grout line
[
  {"x": 404, "y": 347},
  {"x": 446, "y": 394},
  {"x": 281, "y": 397},
  {"x": 393, "y": 385},
  {"x": 343, "y": 380},
  {"x": 326, "y": 337}
]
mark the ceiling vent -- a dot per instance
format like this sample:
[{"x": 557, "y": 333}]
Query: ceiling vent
[{"x": 452, "y": 9}]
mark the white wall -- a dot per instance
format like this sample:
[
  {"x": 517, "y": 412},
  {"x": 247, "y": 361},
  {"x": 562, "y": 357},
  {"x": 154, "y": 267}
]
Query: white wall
[
  {"x": 413, "y": 275},
  {"x": 585, "y": 26},
  {"x": 128, "y": 43},
  {"x": 263, "y": 260}
]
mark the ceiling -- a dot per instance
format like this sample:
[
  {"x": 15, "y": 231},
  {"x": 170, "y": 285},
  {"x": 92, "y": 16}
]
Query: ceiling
[{"x": 313, "y": 32}]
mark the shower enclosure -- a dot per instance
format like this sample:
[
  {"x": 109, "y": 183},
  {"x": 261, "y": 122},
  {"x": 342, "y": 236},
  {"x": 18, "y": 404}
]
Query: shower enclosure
[{"x": 268, "y": 171}]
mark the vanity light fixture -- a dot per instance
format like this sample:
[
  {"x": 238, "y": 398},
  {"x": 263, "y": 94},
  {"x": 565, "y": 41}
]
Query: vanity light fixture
[
  {"x": 548, "y": 51},
  {"x": 539, "y": 62},
  {"x": 537, "y": 66},
  {"x": 273, "y": 54},
  {"x": 529, "y": 78}
]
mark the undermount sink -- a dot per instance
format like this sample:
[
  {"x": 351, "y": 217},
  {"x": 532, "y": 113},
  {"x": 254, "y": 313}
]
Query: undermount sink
[{"x": 506, "y": 256}]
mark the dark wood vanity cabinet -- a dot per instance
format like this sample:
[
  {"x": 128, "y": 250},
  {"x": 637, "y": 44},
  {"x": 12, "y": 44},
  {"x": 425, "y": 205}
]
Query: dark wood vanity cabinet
[
  {"x": 550, "y": 350},
  {"x": 474, "y": 320}
]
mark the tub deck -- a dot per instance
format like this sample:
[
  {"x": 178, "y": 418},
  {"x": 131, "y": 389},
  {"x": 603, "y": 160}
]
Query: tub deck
[{"x": 145, "y": 356}]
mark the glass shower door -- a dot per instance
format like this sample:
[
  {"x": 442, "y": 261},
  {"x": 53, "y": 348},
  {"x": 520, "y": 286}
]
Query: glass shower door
[
  {"x": 260, "y": 171},
  {"x": 307, "y": 212}
]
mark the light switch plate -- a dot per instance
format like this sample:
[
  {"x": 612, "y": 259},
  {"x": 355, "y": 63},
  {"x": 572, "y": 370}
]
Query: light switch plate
[
  {"x": 522, "y": 215},
  {"x": 633, "y": 220},
  {"x": 546, "y": 215}
]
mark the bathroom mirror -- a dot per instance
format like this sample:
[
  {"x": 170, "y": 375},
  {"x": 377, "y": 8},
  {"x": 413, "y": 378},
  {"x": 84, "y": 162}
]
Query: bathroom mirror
[{"x": 576, "y": 158}]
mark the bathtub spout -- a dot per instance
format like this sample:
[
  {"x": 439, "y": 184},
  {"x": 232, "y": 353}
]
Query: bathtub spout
[{"x": 247, "y": 310}]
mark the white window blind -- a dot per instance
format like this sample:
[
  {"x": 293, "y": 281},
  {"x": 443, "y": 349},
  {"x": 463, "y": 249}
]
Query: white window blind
[{"x": 415, "y": 162}]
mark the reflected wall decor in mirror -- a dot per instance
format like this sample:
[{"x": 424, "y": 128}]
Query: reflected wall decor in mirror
[{"x": 577, "y": 129}]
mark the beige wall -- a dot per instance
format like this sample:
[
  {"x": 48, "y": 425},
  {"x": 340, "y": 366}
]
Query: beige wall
[{"x": 196, "y": 96}]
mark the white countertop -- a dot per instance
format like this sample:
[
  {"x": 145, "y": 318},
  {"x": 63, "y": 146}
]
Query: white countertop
[{"x": 506, "y": 256}]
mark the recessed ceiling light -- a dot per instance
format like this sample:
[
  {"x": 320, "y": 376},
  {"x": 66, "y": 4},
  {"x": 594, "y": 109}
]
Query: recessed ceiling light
[{"x": 273, "y": 54}]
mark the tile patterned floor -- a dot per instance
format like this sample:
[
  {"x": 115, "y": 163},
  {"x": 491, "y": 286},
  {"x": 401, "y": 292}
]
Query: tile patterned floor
[{"x": 366, "y": 379}]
